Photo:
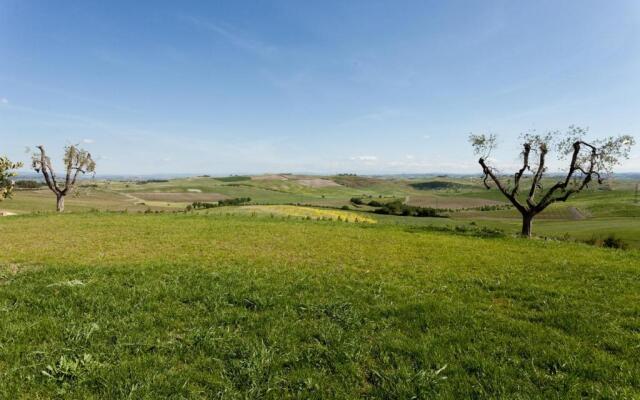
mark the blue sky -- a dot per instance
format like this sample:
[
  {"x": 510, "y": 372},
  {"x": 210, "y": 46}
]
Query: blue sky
[{"x": 299, "y": 86}]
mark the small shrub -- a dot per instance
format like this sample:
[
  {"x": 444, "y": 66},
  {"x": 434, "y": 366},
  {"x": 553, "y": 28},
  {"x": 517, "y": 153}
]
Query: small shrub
[
  {"x": 198, "y": 205},
  {"x": 613, "y": 242}
]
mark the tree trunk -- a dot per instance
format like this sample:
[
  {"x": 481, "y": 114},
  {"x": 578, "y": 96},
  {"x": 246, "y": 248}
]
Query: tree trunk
[
  {"x": 60, "y": 203},
  {"x": 527, "y": 219}
]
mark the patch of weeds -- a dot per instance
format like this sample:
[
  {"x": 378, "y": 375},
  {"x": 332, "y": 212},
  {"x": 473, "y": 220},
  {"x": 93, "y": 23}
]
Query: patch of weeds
[
  {"x": 70, "y": 283},
  {"x": 610, "y": 242},
  {"x": 81, "y": 334},
  {"x": 70, "y": 370}
]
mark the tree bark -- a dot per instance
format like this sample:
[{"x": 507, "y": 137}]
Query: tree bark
[
  {"x": 527, "y": 220},
  {"x": 60, "y": 203}
]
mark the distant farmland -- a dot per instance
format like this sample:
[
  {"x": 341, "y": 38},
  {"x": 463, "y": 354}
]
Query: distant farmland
[
  {"x": 181, "y": 197},
  {"x": 453, "y": 202},
  {"x": 613, "y": 211}
]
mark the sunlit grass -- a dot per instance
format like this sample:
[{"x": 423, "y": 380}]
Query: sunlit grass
[{"x": 110, "y": 306}]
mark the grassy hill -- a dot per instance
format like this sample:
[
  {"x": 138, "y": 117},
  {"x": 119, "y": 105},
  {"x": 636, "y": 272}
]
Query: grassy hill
[{"x": 116, "y": 305}]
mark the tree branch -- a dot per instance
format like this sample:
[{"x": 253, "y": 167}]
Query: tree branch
[
  {"x": 47, "y": 171},
  {"x": 67, "y": 179},
  {"x": 525, "y": 166},
  {"x": 75, "y": 176},
  {"x": 535, "y": 183},
  {"x": 488, "y": 173},
  {"x": 573, "y": 167}
]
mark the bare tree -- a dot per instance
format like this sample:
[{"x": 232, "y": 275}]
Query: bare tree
[
  {"x": 6, "y": 173},
  {"x": 76, "y": 161},
  {"x": 589, "y": 161}
]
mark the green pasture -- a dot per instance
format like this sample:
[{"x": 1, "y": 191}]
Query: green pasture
[{"x": 196, "y": 306}]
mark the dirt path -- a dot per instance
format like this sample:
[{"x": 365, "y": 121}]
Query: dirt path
[
  {"x": 135, "y": 199},
  {"x": 576, "y": 214},
  {"x": 6, "y": 213}
]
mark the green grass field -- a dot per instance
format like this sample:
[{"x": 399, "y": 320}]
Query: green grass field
[{"x": 196, "y": 306}]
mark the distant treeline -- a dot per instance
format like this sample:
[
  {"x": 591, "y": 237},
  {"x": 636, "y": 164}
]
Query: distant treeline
[
  {"x": 359, "y": 201},
  {"x": 438, "y": 185},
  {"x": 28, "y": 184},
  {"x": 151, "y": 181},
  {"x": 199, "y": 205},
  {"x": 397, "y": 207},
  {"x": 235, "y": 178},
  {"x": 495, "y": 207}
]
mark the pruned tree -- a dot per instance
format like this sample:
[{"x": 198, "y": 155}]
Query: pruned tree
[
  {"x": 7, "y": 168},
  {"x": 76, "y": 161},
  {"x": 589, "y": 162}
]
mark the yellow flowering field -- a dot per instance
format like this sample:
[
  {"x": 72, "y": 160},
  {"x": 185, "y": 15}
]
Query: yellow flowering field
[{"x": 311, "y": 212}]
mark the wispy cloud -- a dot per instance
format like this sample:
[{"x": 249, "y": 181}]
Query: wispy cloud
[
  {"x": 64, "y": 119},
  {"x": 48, "y": 90},
  {"x": 4, "y": 100},
  {"x": 237, "y": 38},
  {"x": 364, "y": 158},
  {"x": 88, "y": 141},
  {"x": 382, "y": 114}
]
